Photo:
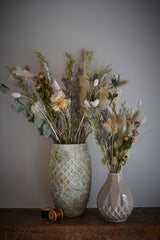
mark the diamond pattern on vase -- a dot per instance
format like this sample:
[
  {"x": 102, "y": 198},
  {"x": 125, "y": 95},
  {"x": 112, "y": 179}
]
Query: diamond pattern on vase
[
  {"x": 115, "y": 201},
  {"x": 70, "y": 177}
]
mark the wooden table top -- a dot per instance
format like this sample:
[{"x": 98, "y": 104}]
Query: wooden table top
[{"x": 142, "y": 222}]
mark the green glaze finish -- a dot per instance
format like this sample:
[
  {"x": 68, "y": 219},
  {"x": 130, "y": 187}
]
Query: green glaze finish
[{"x": 70, "y": 177}]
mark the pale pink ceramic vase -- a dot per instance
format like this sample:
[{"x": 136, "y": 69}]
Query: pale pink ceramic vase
[{"x": 115, "y": 201}]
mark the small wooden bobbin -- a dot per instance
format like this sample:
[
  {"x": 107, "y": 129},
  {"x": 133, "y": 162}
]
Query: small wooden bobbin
[
  {"x": 44, "y": 212},
  {"x": 55, "y": 214}
]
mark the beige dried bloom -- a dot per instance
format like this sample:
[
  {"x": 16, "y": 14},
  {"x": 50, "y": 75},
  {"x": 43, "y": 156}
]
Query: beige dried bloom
[
  {"x": 120, "y": 118},
  {"x": 57, "y": 97},
  {"x": 114, "y": 119},
  {"x": 58, "y": 101},
  {"x": 107, "y": 127},
  {"x": 82, "y": 80},
  {"x": 109, "y": 121},
  {"x": 115, "y": 128},
  {"x": 111, "y": 124},
  {"x": 38, "y": 108},
  {"x": 103, "y": 97}
]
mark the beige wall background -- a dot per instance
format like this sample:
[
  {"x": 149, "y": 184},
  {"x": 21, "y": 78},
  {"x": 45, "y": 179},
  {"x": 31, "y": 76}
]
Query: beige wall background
[{"x": 123, "y": 33}]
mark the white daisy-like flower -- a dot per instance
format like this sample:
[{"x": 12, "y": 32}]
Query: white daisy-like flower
[
  {"x": 96, "y": 81},
  {"x": 16, "y": 95}
]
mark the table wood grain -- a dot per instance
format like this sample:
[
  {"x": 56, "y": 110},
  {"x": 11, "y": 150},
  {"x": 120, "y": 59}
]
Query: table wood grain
[{"x": 17, "y": 224}]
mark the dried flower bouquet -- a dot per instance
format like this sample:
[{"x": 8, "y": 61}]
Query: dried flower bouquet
[
  {"x": 59, "y": 112},
  {"x": 114, "y": 128}
]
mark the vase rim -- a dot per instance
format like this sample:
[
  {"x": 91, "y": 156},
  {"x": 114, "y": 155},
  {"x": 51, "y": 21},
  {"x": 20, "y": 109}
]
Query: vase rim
[
  {"x": 115, "y": 173},
  {"x": 69, "y": 144}
]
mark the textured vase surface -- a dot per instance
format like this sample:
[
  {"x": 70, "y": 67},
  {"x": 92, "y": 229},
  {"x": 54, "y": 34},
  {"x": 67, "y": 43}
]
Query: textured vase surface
[
  {"x": 115, "y": 201},
  {"x": 70, "y": 177}
]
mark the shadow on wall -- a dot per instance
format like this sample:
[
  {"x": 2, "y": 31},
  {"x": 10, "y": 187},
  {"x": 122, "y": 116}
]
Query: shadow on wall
[{"x": 42, "y": 159}]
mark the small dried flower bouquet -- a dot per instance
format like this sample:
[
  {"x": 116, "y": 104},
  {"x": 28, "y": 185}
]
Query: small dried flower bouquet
[
  {"x": 114, "y": 130},
  {"x": 57, "y": 108}
]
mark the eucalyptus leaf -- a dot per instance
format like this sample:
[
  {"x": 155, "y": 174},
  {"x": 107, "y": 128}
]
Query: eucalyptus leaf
[
  {"x": 16, "y": 106},
  {"x": 4, "y": 88},
  {"x": 24, "y": 100},
  {"x": 25, "y": 113},
  {"x": 26, "y": 103},
  {"x": 47, "y": 131},
  {"x": 38, "y": 121}
]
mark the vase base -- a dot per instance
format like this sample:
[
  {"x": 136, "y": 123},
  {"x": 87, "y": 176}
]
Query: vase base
[
  {"x": 73, "y": 215},
  {"x": 118, "y": 221}
]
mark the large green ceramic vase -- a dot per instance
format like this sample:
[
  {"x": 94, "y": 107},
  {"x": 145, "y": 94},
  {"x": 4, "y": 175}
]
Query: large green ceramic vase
[{"x": 70, "y": 177}]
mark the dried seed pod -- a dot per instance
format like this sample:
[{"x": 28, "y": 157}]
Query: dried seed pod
[
  {"x": 137, "y": 123},
  {"x": 135, "y": 132}
]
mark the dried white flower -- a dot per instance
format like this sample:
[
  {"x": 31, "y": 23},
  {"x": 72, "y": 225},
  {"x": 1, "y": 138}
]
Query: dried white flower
[
  {"x": 23, "y": 73},
  {"x": 16, "y": 95},
  {"x": 86, "y": 103},
  {"x": 56, "y": 108},
  {"x": 96, "y": 81},
  {"x": 56, "y": 85},
  {"x": 142, "y": 121},
  {"x": 95, "y": 103},
  {"x": 57, "y": 96},
  {"x": 38, "y": 108}
]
